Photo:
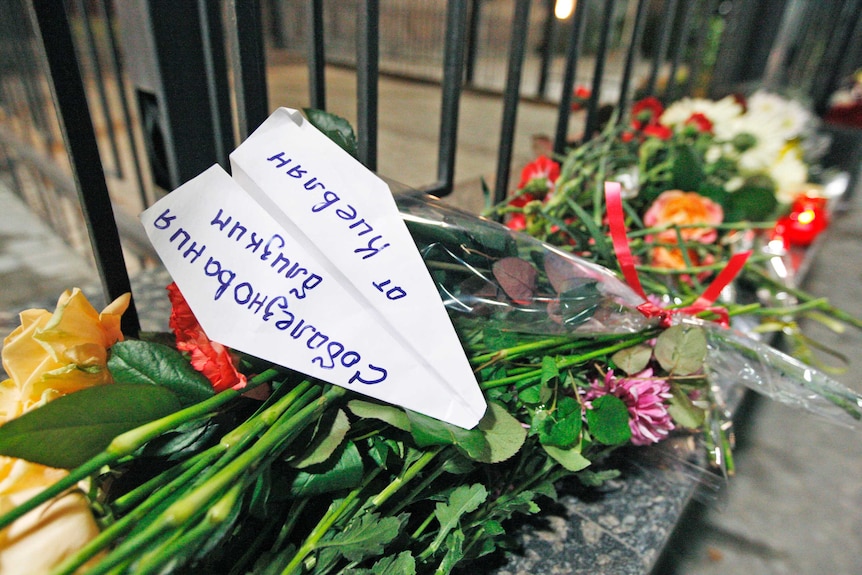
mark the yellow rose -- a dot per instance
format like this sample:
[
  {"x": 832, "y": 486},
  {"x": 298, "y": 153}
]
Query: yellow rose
[
  {"x": 49, "y": 355},
  {"x": 62, "y": 352}
]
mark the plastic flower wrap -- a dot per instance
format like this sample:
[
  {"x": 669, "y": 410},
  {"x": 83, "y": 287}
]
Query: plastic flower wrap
[
  {"x": 472, "y": 256},
  {"x": 486, "y": 271}
]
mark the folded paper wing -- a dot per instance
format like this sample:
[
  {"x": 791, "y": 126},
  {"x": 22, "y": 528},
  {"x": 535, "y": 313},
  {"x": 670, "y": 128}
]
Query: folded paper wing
[{"x": 257, "y": 284}]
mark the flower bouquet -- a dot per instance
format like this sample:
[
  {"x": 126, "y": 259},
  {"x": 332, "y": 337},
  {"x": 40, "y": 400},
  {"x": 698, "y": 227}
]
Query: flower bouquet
[
  {"x": 187, "y": 457},
  {"x": 700, "y": 181}
]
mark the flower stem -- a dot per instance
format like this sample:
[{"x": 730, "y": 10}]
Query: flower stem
[{"x": 126, "y": 443}]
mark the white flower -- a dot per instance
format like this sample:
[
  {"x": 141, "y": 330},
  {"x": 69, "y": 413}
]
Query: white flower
[
  {"x": 786, "y": 118},
  {"x": 718, "y": 112},
  {"x": 789, "y": 173}
]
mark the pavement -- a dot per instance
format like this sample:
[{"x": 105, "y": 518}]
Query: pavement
[{"x": 795, "y": 503}]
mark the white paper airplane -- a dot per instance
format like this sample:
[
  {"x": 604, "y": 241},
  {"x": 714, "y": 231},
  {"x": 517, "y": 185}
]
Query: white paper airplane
[{"x": 302, "y": 259}]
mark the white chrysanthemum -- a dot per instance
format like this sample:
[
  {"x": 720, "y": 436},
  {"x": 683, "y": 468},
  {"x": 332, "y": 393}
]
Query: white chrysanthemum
[
  {"x": 787, "y": 119},
  {"x": 718, "y": 112},
  {"x": 789, "y": 174}
]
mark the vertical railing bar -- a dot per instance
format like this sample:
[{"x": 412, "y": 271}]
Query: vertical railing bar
[
  {"x": 547, "y": 48},
  {"x": 829, "y": 80},
  {"x": 511, "y": 97},
  {"x": 453, "y": 72},
  {"x": 32, "y": 94},
  {"x": 631, "y": 57},
  {"x": 316, "y": 56},
  {"x": 212, "y": 97},
  {"x": 661, "y": 49},
  {"x": 367, "y": 74},
  {"x": 681, "y": 42},
  {"x": 248, "y": 62},
  {"x": 572, "y": 54},
  {"x": 473, "y": 20},
  {"x": 703, "y": 33},
  {"x": 598, "y": 72},
  {"x": 93, "y": 54},
  {"x": 70, "y": 98},
  {"x": 117, "y": 68}
]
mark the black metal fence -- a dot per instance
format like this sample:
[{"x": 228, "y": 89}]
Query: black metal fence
[{"x": 106, "y": 105}]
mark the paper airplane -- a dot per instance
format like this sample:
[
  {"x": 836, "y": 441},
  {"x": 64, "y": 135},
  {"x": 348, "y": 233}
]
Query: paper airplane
[{"x": 301, "y": 258}]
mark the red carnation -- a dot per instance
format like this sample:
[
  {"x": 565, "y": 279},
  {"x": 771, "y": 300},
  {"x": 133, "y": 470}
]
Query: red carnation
[{"x": 208, "y": 357}]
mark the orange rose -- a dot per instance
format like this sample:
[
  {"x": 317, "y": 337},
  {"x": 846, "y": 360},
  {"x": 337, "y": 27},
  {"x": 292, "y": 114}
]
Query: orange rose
[{"x": 683, "y": 209}]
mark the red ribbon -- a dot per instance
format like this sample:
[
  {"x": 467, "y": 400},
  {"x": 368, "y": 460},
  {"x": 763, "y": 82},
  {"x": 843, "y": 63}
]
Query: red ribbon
[{"x": 616, "y": 220}]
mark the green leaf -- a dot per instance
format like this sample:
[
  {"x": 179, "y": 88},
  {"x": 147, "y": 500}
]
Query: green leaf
[
  {"x": 561, "y": 426},
  {"x": 346, "y": 473},
  {"x": 392, "y": 415},
  {"x": 329, "y": 435},
  {"x": 503, "y": 433},
  {"x": 366, "y": 537},
  {"x": 681, "y": 349},
  {"x": 633, "y": 359},
  {"x": 549, "y": 369},
  {"x": 402, "y": 564},
  {"x": 687, "y": 169},
  {"x": 571, "y": 459},
  {"x": 462, "y": 500},
  {"x": 597, "y": 478},
  {"x": 755, "y": 201},
  {"x": 609, "y": 420},
  {"x": 143, "y": 362},
  {"x": 335, "y": 127},
  {"x": 72, "y": 429},
  {"x": 428, "y": 431},
  {"x": 683, "y": 411},
  {"x": 454, "y": 553}
]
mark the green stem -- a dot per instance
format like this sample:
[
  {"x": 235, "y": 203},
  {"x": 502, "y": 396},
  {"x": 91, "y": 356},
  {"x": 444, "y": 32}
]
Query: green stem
[
  {"x": 126, "y": 443},
  {"x": 405, "y": 477},
  {"x": 326, "y": 522},
  {"x": 570, "y": 361},
  {"x": 804, "y": 296}
]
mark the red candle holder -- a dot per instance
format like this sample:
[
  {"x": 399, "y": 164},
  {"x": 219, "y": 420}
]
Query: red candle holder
[{"x": 807, "y": 219}]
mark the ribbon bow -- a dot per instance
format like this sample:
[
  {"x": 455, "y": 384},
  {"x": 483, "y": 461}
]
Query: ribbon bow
[{"x": 616, "y": 220}]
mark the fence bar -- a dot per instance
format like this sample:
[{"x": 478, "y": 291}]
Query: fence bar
[
  {"x": 70, "y": 98},
  {"x": 367, "y": 74},
  {"x": 511, "y": 97},
  {"x": 598, "y": 73},
  {"x": 119, "y": 79},
  {"x": 472, "y": 40},
  {"x": 213, "y": 54},
  {"x": 679, "y": 48},
  {"x": 316, "y": 56},
  {"x": 453, "y": 71},
  {"x": 631, "y": 57},
  {"x": 93, "y": 54},
  {"x": 664, "y": 39},
  {"x": 829, "y": 71},
  {"x": 248, "y": 62},
  {"x": 696, "y": 63},
  {"x": 546, "y": 49},
  {"x": 572, "y": 53}
]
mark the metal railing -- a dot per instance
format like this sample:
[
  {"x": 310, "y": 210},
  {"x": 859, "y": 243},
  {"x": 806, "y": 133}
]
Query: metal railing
[{"x": 131, "y": 135}]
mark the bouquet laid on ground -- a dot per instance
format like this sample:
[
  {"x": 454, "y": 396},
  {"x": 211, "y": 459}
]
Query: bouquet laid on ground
[
  {"x": 183, "y": 456},
  {"x": 700, "y": 180}
]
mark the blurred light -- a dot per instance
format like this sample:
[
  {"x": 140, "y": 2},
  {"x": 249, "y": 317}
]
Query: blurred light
[
  {"x": 806, "y": 217},
  {"x": 564, "y": 8}
]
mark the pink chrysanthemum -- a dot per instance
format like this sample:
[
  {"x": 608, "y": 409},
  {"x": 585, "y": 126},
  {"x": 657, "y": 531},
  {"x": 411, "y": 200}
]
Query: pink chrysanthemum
[{"x": 645, "y": 396}]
